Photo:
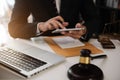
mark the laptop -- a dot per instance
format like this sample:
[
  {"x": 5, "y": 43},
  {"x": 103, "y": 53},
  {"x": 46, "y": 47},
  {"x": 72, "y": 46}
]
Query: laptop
[{"x": 26, "y": 59}]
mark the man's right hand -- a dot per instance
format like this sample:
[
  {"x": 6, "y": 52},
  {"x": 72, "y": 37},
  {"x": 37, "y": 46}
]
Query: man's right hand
[{"x": 53, "y": 23}]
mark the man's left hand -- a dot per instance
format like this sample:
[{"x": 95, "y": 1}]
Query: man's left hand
[{"x": 76, "y": 34}]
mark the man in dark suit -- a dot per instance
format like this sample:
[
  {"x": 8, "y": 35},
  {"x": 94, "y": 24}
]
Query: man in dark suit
[{"x": 46, "y": 19}]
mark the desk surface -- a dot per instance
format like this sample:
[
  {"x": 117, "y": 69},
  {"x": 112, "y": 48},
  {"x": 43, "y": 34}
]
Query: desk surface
[{"x": 110, "y": 65}]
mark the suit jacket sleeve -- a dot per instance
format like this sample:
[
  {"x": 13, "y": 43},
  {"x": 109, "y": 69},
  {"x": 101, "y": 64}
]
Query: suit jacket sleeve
[
  {"x": 18, "y": 25},
  {"x": 90, "y": 14}
]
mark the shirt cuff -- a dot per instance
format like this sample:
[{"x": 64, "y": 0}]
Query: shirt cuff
[{"x": 38, "y": 32}]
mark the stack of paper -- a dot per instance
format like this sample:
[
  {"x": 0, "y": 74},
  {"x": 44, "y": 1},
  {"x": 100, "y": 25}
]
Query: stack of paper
[{"x": 67, "y": 42}]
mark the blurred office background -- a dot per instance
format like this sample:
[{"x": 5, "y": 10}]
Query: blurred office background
[
  {"x": 109, "y": 18},
  {"x": 5, "y": 13}
]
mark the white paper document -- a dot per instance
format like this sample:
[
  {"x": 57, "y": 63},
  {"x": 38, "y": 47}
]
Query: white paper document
[{"x": 67, "y": 42}]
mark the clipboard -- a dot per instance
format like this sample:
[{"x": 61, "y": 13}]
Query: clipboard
[{"x": 70, "y": 52}]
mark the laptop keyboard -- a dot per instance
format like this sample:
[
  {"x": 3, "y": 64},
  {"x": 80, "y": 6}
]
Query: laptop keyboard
[{"x": 14, "y": 58}]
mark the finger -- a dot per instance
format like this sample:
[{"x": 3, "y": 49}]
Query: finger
[
  {"x": 60, "y": 25},
  {"x": 83, "y": 31},
  {"x": 59, "y": 18},
  {"x": 76, "y": 37},
  {"x": 76, "y": 34},
  {"x": 65, "y": 24},
  {"x": 71, "y": 32},
  {"x": 80, "y": 32},
  {"x": 48, "y": 26},
  {"x": 60, "y": 22},
  {"x": 78, "y": 25},
  {"x": 54, "y": 24}
]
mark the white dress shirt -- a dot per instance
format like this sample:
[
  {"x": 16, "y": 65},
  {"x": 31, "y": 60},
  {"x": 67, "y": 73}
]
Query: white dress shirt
[{"x": 58, "y": 5}]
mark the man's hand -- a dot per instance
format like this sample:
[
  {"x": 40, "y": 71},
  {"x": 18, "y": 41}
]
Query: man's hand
[
  {"x": 53, "y": 23},
  {"x": 76, "y": 34}
]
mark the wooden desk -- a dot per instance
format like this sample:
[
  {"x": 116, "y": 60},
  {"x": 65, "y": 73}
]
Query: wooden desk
[{"x": 110, "y": 65}]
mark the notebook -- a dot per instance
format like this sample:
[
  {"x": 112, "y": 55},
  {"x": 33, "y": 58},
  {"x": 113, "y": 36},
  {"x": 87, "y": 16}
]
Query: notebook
[{"x": 26, "y": 59}]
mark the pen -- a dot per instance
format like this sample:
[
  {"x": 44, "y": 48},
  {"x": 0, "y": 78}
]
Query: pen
[{"x": 82, "y": 22}]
